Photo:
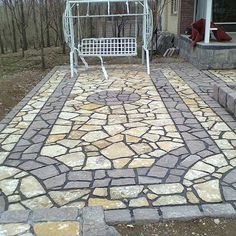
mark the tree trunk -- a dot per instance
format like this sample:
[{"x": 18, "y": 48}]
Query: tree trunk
[
  {"x": 23, "y": 27},
  {"x": 41, "y": 36},
  {"x": 2, "y": 45},
  {"x": 14, "y": 34},
  {"x": 8, "y": 25},
  {"x": 36, "y": 38},
  {"x": 47, "y": 24}
]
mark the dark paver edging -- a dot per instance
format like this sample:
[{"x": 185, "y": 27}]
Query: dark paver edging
[
  {"x": 96, "y": 221},
  {"x": 165, "y": 213}
]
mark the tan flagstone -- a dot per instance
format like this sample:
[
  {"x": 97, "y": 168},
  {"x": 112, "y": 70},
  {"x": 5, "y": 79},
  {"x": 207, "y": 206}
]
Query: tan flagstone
[
  {"x": 169, "y": 200},
  {"x": 90, "y": 106},
  {"x": 96, "y": 122},
  {"x": 151, "y": 196},
  {"x": 131, "y": 139},
  {"x": 53, "y": 150},
  {"x": 69, "y": 143},
  {"x": 97, "y": 162},
  {"x": 72, "y": 159},
  {"x": 117, "y": 119},
  {"x": 224, "y": 144},
  {"x": 8, "y": 147},
  {"x": 216, "y": 160},
  {"x": 138, "y": 202},
  {"x": 192, "y": 198},
  {"x": 8, "y": 186},
  {"x": 101, "y": 144},
  {"x": 116, "y": 138},
  {"x": 101, "y": 192},
  {"x": 137, "y": 132},
  {"x": 136, "y": 163},
  {"x": 3, "y": 156},
  {"x": 117, "y": 150},
  {"x": 38, "y": 202},
  {"x": 55, "y": 137},
  {"x": 11, "y": 139},
  {"x": 30, "y": 187},
  {"x": 60, "y": 129},
  {"x": 75, "y": 134},
  {"x": 15, "y": 207},
  {"x": 141, "y": 148},
  {"x": 209, "y": 191},
  {"x": 230, "y": 154},
  {"x": 120, "y": 163},
  {"x": 168, "y": 145},
  {"x": 151, "y": 137},
  {"x": 160, "y": 122},
  {"x": 94, "y": 136},
  {"x": 166, "y": 188},
  {"x": 99, "y": 116},
  {"x": 157, "y": 153},
  {"x": 203, "y": 167},
  {"x": 220, "y": 126},
  {"x": 114, "y": 129},
  {"x": 195, "y": 174},
  {"x": 14, "y": 198},
  {"x": 63, "y": 122},
  {"x": 125, "y": 192},
  {"x": 7, "y": 172},
  {"x": 76, "y": 204},
  {"x": 67, "y": 228},
  {"x": 103, "y": 110},
  {"x": 106, "y": 204},
  {"x": 68, "y": 115},
  {"x": 65, "y": 197},
  {"x": 14, "y": 229}
]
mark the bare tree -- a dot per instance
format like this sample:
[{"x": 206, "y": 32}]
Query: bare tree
[
  {"x": 41, "y": 35},
  {"x": 36, "y": 36}
]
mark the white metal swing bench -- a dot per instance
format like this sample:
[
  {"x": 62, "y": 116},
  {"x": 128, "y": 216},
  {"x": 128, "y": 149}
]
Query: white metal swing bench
[{"x": 105, "y": 47}]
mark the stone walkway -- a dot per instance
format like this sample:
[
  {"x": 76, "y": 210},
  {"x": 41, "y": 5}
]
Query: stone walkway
[{"x": 132, "y": 141}]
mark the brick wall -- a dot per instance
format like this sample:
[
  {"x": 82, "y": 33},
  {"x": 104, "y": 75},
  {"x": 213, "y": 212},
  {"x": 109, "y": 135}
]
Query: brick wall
[{"x": 186, "y": 14}]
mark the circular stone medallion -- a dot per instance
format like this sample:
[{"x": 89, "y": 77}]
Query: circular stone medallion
[{"x": 117, "y": 97}]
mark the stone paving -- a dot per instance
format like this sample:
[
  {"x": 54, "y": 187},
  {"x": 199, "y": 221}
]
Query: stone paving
[{"x": 132, "y": 141}]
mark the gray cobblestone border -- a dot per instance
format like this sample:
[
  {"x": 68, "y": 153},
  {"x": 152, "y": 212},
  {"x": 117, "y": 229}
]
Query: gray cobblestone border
[
  {"x": 166, "y": 213},
  {"x": 95, "y": 219}
]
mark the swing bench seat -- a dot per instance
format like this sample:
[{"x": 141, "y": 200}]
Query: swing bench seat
[{"x": 108, "y": 47}]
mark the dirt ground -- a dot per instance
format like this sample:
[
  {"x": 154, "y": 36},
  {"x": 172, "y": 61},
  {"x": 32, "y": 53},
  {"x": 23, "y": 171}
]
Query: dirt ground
[
  {"x": 19, "y": 75},
  {"x": 201, "y": 227}
]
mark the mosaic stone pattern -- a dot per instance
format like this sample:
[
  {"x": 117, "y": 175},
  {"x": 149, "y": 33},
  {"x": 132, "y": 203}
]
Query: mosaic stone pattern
[
  {"x": 98, "y": 136},
  {"x": 127, "y": 142},
  {"x": 116, "y": 97}
]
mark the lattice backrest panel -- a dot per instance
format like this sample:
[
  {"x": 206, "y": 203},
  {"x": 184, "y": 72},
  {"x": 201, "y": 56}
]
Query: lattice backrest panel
[{"x": 108, "y": 47}]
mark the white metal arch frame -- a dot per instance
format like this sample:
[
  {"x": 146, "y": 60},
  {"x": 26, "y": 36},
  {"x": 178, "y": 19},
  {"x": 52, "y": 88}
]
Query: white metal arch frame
[{"x": 104, "y": 47}]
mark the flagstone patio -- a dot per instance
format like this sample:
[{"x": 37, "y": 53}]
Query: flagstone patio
[{"x": 131, "y": 141}]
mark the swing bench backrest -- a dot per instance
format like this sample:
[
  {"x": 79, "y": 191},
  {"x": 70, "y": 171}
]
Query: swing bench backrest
[{"x": 108, "y": 47}]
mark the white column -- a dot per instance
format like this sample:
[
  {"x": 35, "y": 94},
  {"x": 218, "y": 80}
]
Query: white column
[{"x": 208, "y": 20}]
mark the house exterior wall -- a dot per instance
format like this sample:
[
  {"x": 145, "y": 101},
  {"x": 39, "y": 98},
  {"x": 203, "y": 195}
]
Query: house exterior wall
[
  {"x": 177, "y": 23},
  {"x": 186, "y": 14},
  {"x": 170, "y": 21}
]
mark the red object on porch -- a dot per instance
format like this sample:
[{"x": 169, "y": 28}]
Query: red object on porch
[{"x": 198, "y": 32}]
